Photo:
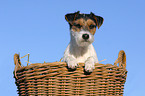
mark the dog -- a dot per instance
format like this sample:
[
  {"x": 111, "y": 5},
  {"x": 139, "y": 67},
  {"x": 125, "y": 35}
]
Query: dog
[{"x": 80, "y": 48}]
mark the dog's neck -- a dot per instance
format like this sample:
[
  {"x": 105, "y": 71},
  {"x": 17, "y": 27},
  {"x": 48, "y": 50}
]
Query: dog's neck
[{"x": 77, "y": 50}]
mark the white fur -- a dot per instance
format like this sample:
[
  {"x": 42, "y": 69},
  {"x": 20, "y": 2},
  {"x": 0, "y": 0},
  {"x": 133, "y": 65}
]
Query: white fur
[{"x": 80, "y": 51}]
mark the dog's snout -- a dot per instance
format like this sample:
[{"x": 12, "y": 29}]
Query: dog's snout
[{"x": 85, "y": 36}]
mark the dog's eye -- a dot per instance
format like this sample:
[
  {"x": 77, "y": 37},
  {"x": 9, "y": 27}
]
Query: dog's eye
[
  {"x": 92, "y": 26},
  {"x": 77, "y": 25}
]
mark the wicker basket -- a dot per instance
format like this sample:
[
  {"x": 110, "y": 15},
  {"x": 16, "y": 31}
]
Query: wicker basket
[{"x": 54, "y": 79}]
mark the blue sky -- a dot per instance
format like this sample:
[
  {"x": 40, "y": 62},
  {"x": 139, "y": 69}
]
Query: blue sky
[{"x": 38, "y": 27}]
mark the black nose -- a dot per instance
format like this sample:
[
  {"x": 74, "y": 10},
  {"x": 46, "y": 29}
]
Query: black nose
[{"x": 85, "y": 36}]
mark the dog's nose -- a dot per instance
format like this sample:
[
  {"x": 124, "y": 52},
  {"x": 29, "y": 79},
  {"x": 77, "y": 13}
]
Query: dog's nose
[{"x": 85, "y": 36}]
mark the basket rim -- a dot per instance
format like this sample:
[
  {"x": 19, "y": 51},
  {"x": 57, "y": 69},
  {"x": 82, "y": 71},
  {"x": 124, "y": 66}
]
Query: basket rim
[{"x": 64, "y": 64}]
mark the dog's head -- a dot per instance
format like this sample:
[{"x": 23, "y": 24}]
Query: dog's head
[{"x": 83, "y": 27}]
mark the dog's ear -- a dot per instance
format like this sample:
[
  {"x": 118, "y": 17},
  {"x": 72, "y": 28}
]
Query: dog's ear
[
  {"x": 99, "y": 20},
  {"x": 71, "y": 17}
]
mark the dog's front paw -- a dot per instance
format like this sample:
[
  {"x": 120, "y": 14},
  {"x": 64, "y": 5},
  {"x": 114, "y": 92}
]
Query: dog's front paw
[
  {"x": 72, "y": 64},
  {"x": 89, "y": 66}
]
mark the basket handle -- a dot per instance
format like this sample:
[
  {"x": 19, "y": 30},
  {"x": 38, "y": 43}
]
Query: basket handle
[
  {"x": 121, "y": 59},
  {"x": 17, "y": 63}
]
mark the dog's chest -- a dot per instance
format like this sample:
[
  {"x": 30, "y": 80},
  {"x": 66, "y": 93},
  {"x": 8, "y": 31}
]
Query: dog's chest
[
  {"x": 81, "y": 54},
  {"x": 82, "y": 59}
]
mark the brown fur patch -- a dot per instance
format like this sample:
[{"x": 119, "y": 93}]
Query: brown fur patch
[{"x": 82, "y": 24}]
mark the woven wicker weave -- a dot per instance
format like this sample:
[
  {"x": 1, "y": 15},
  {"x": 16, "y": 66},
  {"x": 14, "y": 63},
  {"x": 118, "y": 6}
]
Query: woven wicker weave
[{"x": 54, "y": 79}]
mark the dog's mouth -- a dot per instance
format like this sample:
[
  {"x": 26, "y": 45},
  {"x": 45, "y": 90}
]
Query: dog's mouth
[
  {"x": 86, "y": 40},
  {"x": 84, "y": 43}
]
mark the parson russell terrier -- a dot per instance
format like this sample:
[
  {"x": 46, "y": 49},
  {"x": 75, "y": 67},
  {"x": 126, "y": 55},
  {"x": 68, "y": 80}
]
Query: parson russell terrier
[{"x": 80, "y": 48}]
